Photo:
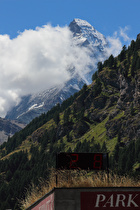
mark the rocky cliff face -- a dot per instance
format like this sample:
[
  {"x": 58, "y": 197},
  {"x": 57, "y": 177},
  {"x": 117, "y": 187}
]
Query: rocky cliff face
[
  {"x": 128, "y": 103},
  {"x": 8, "y": 128}
]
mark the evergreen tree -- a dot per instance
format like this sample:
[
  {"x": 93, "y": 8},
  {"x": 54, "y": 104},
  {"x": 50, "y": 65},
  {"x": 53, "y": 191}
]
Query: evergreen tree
[
  {"x": 111, "y": 61},
  {"x": 56, "y": 118},
  {"x": 116, "y": 154},
  {"x": 99, "y": 66},
  {"x": 104, "y": 148},
  {"x": 138, "y": 63},
  {"x": 66, "y": 115},
  {"x": 137, "y": 150},
  {"x": 97, "y": 87},
  {"x": 132, "y": 110},
  {"x": 122, "y": 161},
  {"x": 131, "y": 157},
  {"x": 122, "y": 55},
  {"x": 95, "y": 76},
  {"x": 132, "y": 46},
  {"x": 134, "y": 64}
]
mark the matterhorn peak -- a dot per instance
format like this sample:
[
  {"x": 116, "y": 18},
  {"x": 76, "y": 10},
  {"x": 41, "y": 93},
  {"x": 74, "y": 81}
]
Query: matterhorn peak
[
  {"x": 77, "y": 24},
  {"x": 81, "y": 22},
  {"x": 85, "y": 34}
]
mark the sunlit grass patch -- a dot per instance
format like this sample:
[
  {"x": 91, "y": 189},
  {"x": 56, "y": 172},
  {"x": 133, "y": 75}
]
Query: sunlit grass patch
[{"x": 73, "y": 179}]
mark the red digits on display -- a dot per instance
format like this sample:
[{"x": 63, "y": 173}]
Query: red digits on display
[
  {"x": 72, "y": 162},
  {"x": 97, "y": 161}
]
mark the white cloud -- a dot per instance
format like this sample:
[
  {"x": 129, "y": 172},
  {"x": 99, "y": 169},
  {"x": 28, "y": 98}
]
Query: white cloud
[
  {"x": 115, "y": 45},
  {"x": 36, "y": 60},
  {"x": 123, "y": 33},
  {"x": 117, "y": 41}
]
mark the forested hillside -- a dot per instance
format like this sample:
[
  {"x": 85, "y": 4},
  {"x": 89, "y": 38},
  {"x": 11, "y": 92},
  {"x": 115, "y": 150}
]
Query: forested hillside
[{"x": 102, "y": 117}]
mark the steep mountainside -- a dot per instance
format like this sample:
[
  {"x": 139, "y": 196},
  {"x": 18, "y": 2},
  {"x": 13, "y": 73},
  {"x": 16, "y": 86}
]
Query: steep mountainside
[
  {"x": 31, "y": 106},
  {"x": 101, "y": 117},
  {"x": 8, "y": 128}
]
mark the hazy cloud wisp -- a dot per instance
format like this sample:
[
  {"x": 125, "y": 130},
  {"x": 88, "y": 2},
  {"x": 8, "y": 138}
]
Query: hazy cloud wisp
[
  {"x": 36, "y": 60},
  {"x": 115, "y": 41}
]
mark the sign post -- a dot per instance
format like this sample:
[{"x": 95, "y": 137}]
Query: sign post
[{"x": 83, "y": 161}]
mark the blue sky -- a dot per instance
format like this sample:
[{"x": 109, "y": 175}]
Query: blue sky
[
  {"x": 107, "y": 16},
  {"x": 35, "y": 55}
]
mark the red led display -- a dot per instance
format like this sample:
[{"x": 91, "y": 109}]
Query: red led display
[{"x": 85, "y": 161}]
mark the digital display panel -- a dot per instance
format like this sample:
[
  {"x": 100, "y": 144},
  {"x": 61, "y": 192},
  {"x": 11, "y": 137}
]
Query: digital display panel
[{"x": 84, "y": 161}]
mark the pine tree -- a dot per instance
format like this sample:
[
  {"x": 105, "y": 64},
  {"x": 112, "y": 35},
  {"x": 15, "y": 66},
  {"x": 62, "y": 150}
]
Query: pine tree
[
  {"x": 95, "y": 76},
  {"x": 138, "y": 63},
  {"x": 122, "y": 55},
  {"x": 99, "y": 66},
  {"x": 56, "y": 118},
  {"x": 104, "y": 148},
  {"x": 116, "y": 153},
  {"x": 66, "y": 115},
  {"x": 111, "y": 61}
]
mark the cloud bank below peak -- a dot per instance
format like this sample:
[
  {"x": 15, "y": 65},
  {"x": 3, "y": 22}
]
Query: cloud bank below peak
[{"x": 38, "y": 59}]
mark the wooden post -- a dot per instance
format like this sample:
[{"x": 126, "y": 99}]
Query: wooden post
[{"x": 107, "y": 169}]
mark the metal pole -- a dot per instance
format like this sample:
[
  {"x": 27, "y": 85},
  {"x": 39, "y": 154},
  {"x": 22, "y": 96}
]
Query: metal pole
[
  {"x": 107, "y": 168},
  {"x": 56, "y": 180}
]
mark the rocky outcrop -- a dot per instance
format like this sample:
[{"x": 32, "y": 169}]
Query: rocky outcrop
[
  {"x": 138, "y": 36},
  {"x": 128, "y": 111},
  {"x": 8, "y": 128},
  {"x": 80, "y": 128}
]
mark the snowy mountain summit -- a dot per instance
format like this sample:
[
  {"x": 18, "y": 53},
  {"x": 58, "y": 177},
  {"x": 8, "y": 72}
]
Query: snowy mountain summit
[
  {"x": 86, "y": 35},
  {"x": 86, "y": 38}
]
